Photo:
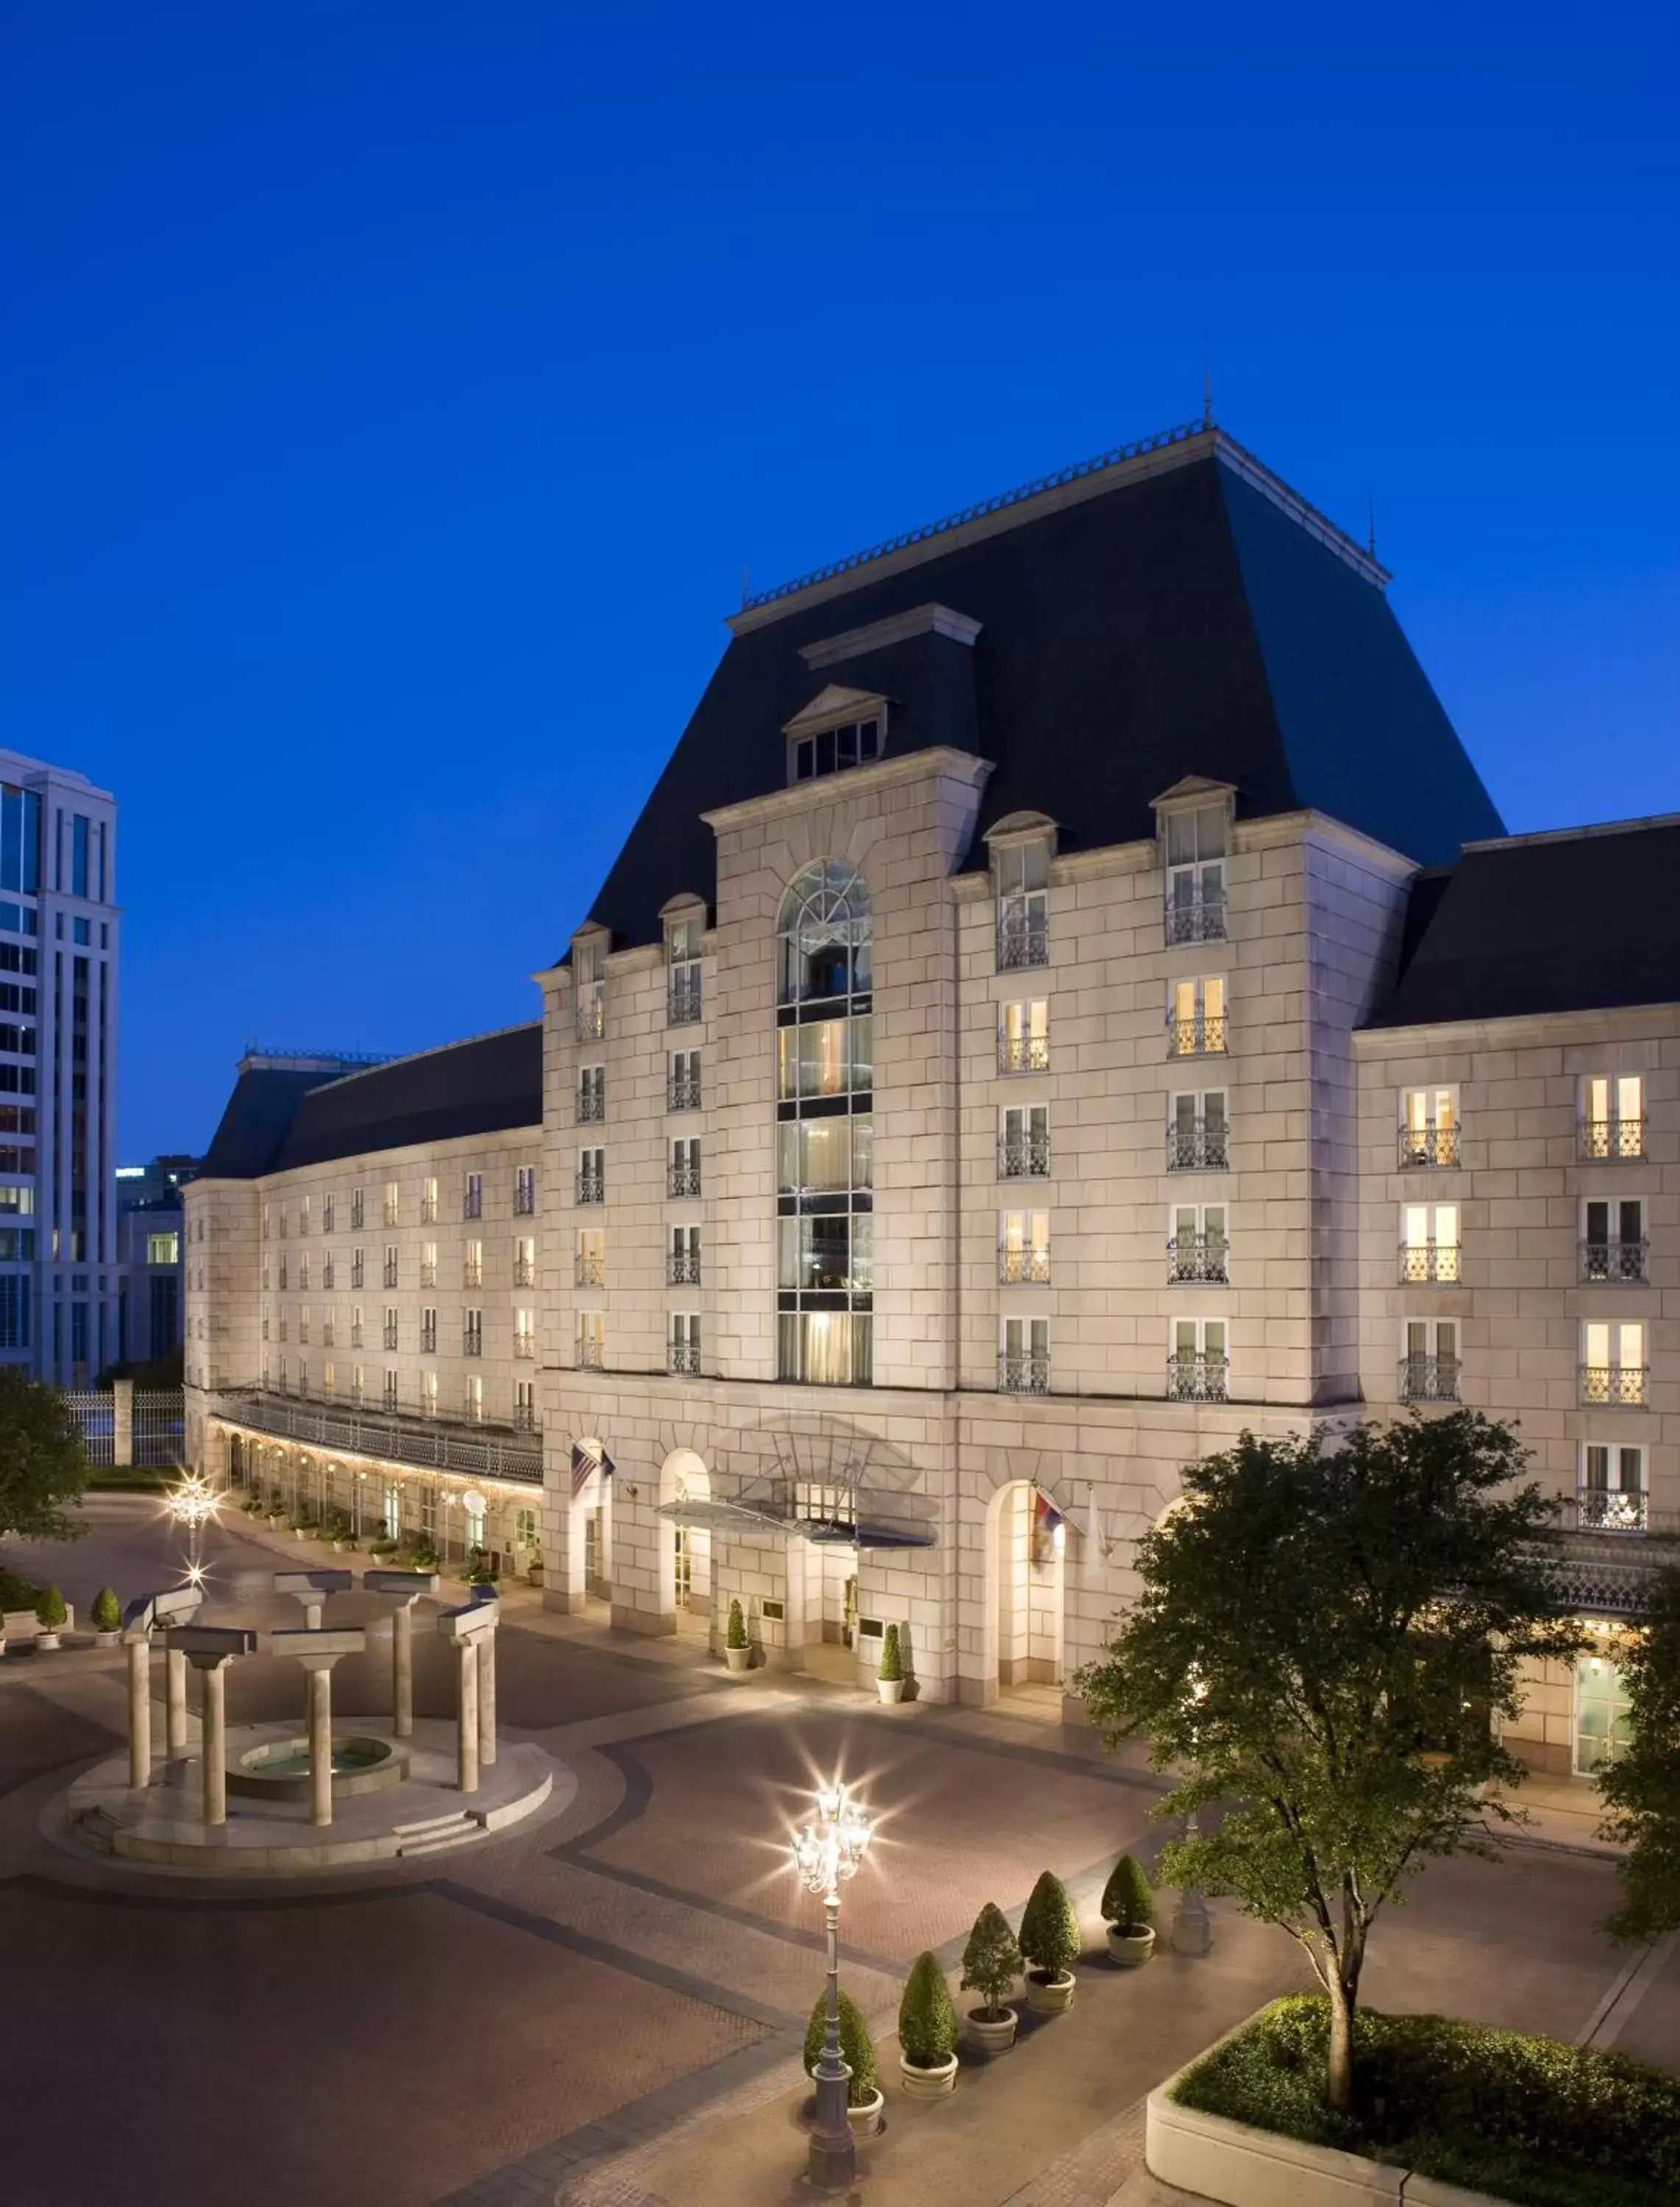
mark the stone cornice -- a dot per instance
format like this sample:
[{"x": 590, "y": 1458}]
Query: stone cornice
[{"x": 938, "y": 760}]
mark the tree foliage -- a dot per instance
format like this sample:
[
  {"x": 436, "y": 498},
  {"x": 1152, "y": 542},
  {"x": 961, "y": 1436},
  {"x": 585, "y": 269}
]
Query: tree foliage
[
  {"x": 992, "y": 1961},
  {"x": 891, "y": 1666},
  {"x": 1327, "y": 1636},
  {"x": 857, "y": 2047},
  {"x": 735, "y": 1632},
  {"x": 1642, "y": 1790},
  {"x": 1128, "y": 1899},
  {"x": 927, "y": 2020},
  {"x": 107, "y": 1610},
  {"x": 1049, "y": 1932},
  {"x": 43, "y": 1463}
]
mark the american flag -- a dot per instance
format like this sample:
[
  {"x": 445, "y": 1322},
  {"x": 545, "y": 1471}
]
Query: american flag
[{"x": 583, "y": 1463}]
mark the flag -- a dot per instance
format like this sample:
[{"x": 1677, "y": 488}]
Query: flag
[
  {"x": 583, "y": 1463},
  {"x": 1046, "y": 1524}
]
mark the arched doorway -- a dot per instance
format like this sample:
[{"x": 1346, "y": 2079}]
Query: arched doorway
[
  {"x": 1026, "y": 1539},
  {"x": 685, "y": 1544}
]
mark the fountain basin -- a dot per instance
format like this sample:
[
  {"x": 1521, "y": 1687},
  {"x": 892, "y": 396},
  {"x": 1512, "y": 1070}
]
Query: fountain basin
[{"x": 278, "y": 1770}]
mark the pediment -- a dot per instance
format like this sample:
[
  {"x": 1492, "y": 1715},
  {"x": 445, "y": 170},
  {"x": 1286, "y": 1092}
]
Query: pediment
[
  {"x": 834, "y": 706},
  {"x": 1193, "y": 787}
]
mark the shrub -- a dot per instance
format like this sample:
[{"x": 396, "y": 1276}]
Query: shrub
[
  {"x": 735, "y": 1635},
  {"x": 50, "y": 1610},
  {"x": 1127, "y": 1900},
  {"x": 927, "y": 2020},
  {"x": 1049, "y": 1932},
  {"x": 480, "y": 1570},
  {"x": 992, "y": 1959},
  {"x": 17, "y": 1593},
  {"x": 107, "y": 1610},
  {"x": 857, "y": 2047},
  {"x": 424, "y": 1557},
  {"x": 891, "y": 1667}
]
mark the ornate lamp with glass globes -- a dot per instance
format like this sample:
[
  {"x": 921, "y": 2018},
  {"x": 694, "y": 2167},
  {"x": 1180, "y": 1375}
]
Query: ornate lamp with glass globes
[
  {"x": 826, "y": 1854},
  {"x": 191, "y": 1504}
]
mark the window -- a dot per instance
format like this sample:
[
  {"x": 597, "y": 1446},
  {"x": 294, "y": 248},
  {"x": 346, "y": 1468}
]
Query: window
[
  {"x": 1023, "y": 1037},
  {"x": 328, "y": 1212},
  {"x": 302, "y": 1268},
  {"x": 302, "y": 1375},
  {"x": 161, "y": 1248},
  {"x": 682, "y": 1088},
  {"x": 1603, "y": 1720},
  {"x": 1198, "y": 1134},
  {"x": 1199, "y": 1370},
  {"x": 284, "y": 1227},
  {"x": 1609, "y": 1496},
  {"x": 283, "y": 1269},
  {"x": 682, "y": 960},
  {"x": 428, "y": 1263},
  {"x": 1024, "y": 1356},
  {"x": 524, "y": 1190},
  {"x": 472, "y": 1333},
  {"x": 267, "y": 1322},
  {"x": 390, "y": 1266},
  {"x": 355, "y": 1325},
  {"x": 525, "y": 1333},
  {"x": 472, "y": 1265},
  {"x": 832, "y": 750},
  {"x": 358, "y": 1383},
  {"x": 1429, "y": 1365},
  {"x": 832, "y": 1257},
  {"x": 825, "y": 1348},
  {"x": 1198, "y": 1245},
  {"x": 391, "y": 1391},
  {"x": 590, "y": 1268},
  {"x": 685, "y": 1342},
  {"x": 358, "y": 1208},
  {"x": 591, "y": 1094},
  {"x": 1613, "y": 1364},
  {"x": 428, "y": 1392},
  {"x": 592, "y": 1175},
  {"x": 1612, "y": 1242},
  {"x": 524, "y": 1261},
  {"x": 589, "y": 961},
  {"x": 592, "y": 1340},
  {"x": 472, "y": 1402},
  {"x": 329, "y": 1381},
  {"x": 303, "y": 1326},
  {"x": 1023, "y": 1142},
  {"x": 393, "y": 1202},
  {"x": 524, "y": 1421},
  {"x": 303, "y": 1216},
  {"x": 825, "y": 936},
  {"x": 682, "y": 1173},
  {"x": 1024, "y": 1248},
  {"x": 1197, "y": 841},
  {"x": 284, "y": 1325},
  {"x": 1613, "y": 1115},
  {"x": 1428, "y": 1126},
  {"x": 429, "y": 1331},
  {"x": 1020, "y": 879},
  {"x": 682, "y": 1264},
  {"x": 472, "y": 1196},
  {"x": 1429, "y": 1243},
  {"x": 1196, "y": 1018},
  {"x": 357, "y": 1269},
  {"x": 390, "y": 1336},
  {"x": 327, "y": 1324},
  {"x": 428, "y": 1203},
  {"x": 825, "y": 1057}
]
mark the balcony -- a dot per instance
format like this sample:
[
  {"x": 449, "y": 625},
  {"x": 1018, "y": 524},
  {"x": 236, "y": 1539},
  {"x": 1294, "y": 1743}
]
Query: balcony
[
  {"x": 472, "y": 1341},
  {"x": 1620, "y": 1385},
  {"x": 1615, "y": 1140},
  {"x": 682, "y": 1268},
  {"x": 590, "y": 1354},
  {"x": 682, "y": 1180},
  {"x": 428, "y": 1339},
  {"x": 1024, "y": 1268},
  {"x": 392, "y": 1439},
  {"x": 1023, "y": 1374},
  {"x": 524, "y": 1344},
  {"x": 682, "y": 1007},
  {"x": 356, "y": 1336},
  {"x": 591, "y": 1107},
  {"x": 1435, "y": 1261},
  {"x": 524, "y": 1272},
  {"x": 1429, "y": 1378},
  {"x": 524, "y": 1417},
  {"x": 1201, "y": 1037},
  {"x": 682, "y": 1092},
  {"x": 1610, "y": 1262},
  {"x": 1198, "y": 1259},
  {"x": 1023, "y": 1157},
  {"x": 1198, "y": 919},
  {"x": 1423, "y": 1146},
  {"x": 1198, "y": 1378},
  {"x": 524, "y": 1197},
  {"x": 684, "y": 1358},
  {"x": 589, "y": 1268},
  {"x": 1021, "y": 943},
  {"x": 1022, "y": 1053},
  {"x": 592, "y": 1187},
  {"x": 428, "y": 1275},
  {"x": 591, "y": 1016},
  {"x": 1198, "y": 1147},
  {"x": 1617, "y": 1510}
]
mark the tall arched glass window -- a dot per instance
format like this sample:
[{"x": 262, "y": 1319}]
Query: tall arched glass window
[{"x": 825, "y": 1080}]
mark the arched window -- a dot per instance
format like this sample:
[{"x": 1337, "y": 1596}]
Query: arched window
[{"x": 824, "y": 935}]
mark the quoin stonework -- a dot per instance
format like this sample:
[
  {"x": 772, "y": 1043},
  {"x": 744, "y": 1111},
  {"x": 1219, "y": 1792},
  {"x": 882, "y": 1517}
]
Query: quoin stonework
[{"x": 1068, "y": 998}]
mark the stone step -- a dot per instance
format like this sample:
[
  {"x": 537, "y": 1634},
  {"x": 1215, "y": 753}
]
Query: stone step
[
  {"x": 423, "y": 1826},
  {"x": 467, "y": 1832}
]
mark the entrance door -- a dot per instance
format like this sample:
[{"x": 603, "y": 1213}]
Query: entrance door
[
  {"x": 682, "y": 1567},
  {"x": 1602, "y": 1727}
]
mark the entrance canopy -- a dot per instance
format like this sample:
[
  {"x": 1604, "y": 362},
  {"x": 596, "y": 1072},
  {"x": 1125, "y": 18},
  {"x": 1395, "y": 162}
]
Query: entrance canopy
[{"x": 840, "y": 1488}]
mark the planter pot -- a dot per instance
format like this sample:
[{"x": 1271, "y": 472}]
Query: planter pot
[
  {"x": 101, "y": 1639},
  {"x": 1047, "y": 1996},
  {"x": 738, "y": 1658},
  {"x": 46, "y": 1641},
  {"x": 920, "y": 2083},
  {"x": 891, "y": 1690},
  {"x": 991, "y": 2034},
  {"x": 534, "y": 1575},
  {"x": 3, "y": 1643},
  {"x": 865, "y": 2119},
  {"x": 1130, "y": 1950}
]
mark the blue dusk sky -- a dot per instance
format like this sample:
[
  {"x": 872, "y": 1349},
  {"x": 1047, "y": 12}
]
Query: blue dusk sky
[{"x": 391, "y": 398}]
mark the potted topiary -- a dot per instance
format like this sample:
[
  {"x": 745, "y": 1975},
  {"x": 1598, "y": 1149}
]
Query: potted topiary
[
  {"x": 50, "y": 1615},
  {"x": 889, "y": 1674},
  {"x": 737, "y": 1647},
  {"x": 107, "y": 1618},
  {"x": 423, "y": 1556},
  {"x": 1049, "y": 1941},
  {"x": 481, "y": 1571},
  {"x": 927, "y": 2032},
  {"x": 1128, "y": 1910},
  {"x": 533, "y": 1567},
  {"x": 864, "y": 2101},
  {"x": 991, "y": 1962}
]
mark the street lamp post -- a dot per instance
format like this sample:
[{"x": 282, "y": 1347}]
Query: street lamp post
[
  {"x": 1192, "y": 1929},
  {"x": 826, "y": 1854},
  {"x": 191, "y": 1504}
]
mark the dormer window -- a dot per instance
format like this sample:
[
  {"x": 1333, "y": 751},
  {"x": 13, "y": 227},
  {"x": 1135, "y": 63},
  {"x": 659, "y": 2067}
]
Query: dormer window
[
  {"x": 1021, "y": 849},
  {"x": 840, "y": 728},
  {"x": 1195, "y": 829},
  {"x": 682, "y": 961}
]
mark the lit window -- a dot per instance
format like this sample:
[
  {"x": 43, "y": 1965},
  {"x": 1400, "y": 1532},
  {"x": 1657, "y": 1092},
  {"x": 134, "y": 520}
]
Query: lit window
[
  {"x": 1429, "y": 1365},
  {"x": 1024, "y": 1248},
  {"x": 1428, "y": 1126},
  {"x": 1196, "y": 1017},
  {"x": 1613, "y": 1368},
  {"x": 1429, "y": 1243},
  {"x": 1023, "y": 1037},
  {"x": 1199, "y": 1369},
  {"x": 161, "y": 1248},
  {"x": 1197, "y": 841},
  {"x": 1613, "y": 1121}
]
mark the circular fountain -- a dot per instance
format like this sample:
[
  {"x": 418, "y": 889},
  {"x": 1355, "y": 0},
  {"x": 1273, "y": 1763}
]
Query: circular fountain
[{"x": 279, "y": 1769}]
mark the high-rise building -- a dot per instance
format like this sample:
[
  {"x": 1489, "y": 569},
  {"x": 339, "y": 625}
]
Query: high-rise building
[{"x": 59, "y": 951}]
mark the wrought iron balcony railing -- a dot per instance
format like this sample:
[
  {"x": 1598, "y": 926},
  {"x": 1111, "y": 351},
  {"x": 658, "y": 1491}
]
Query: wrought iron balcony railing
[
  {"x": 1198, "y": 1259},
  {"x": 472, "y": 1201},
  {"x": 1026, "y": 1156},
  {"x": 1430, "y": 1261},
  {"x": 591, "y": 1106},
  {"x": 1022, "y": 1268},
  {"x": 472, "y": 1341},
  {"x": 524, "y": 1198},
  {"x": 1427, "y": 1145},
  {"x": 1022, "y": 1053},
  {"x": 399, "y": 1438},
  {"x": 682, "y": 1092},
  {"x": 1021, "y": 943},
  {"x": 682, "y": 1268},
  {"x": 1202, "y": 1036},
  {"x": 1614, "y": 1139},
  {"x": 524, "y": 1417},
  {"x": 1610, "y": 1261},
  {"x": 1622, "y": 1384},
  {"x": 1023, "y": 1374},
  {"x": 591, "y": 1188},
  {"x": 1429, "y": 1378},
  {"x": 589, "y": 1268},
  {"x": 1198, "y": 1147},
  {"x": 591, "y": 1017},
  {"x": 1199, "y": 919},
  {"x": 684, "y": 1357},
  {"x": 428, "y": 1339},
  {"x": 1202, "y": 1378},
  {"x": 1617, "y": 1510},
  {"x": 590, "y": 1356},
  {"x": 524, "y": 1344},
  {"x": 682, "y": 1180},
  {"x": 683, "y": 1001},
  {"x": 524, "y": 1272}
]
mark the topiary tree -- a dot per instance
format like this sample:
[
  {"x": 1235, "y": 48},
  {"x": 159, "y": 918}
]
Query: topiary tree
[
  {"x": 927, "y": 2020},
  {"x": 735, "y": 1634},
  {"x": 992, "y": 1961},
  {"x": 50, "y": 1610},
  {"x": 1049, "y": 1932},
  {"x": 107, "y": 1610},
  {"x": 1642, "y": 1789},
  {"x": 891, "y": 1667},
  {"x": 1128, "y": 1900},
  {"x": 857, "y": 2047}
]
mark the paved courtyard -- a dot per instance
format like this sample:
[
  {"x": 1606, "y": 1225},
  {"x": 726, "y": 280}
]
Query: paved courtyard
[{"x": 605, "y": 2006}]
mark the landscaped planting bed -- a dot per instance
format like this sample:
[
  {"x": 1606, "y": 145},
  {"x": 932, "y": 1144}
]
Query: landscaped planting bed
[{"x": 1527, "y": 2118}]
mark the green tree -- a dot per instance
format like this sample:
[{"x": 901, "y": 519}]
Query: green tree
[
  {"x": 735, "y": 1632},
  {"x": 1049, "y": 1932},
  {"x": 107, "y": 1610},
  {"x": 43, "y": 1463},
  {"x": 857, "y": 2047},
  {"x": 927, "y": 2020},
  {"x": 1127, "y": 1898},
  {"x": 992, "y": 1961},
  {"x": 1323, "y": 1639},
  {"x": 891, "y": 1665},
  {"x": 1643, "y": 1789}
]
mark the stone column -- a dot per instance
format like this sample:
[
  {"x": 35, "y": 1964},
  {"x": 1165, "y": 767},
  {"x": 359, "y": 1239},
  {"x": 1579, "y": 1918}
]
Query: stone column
[
  {"x": 139, "y": 1711},
  {"x": 213, "y": 1738},
  {"x": 486, "y": 1697},
  {"x": 401, "y": 1670},
  {"x": 467, "y": 1718},
  {"x": 174, "y": 1706},
  {"x": 320, "y": 1742},
  {"x": 121, "y": 1423}
]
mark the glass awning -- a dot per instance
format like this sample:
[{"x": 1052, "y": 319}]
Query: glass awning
[{"x": 820, "y": 1494}]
